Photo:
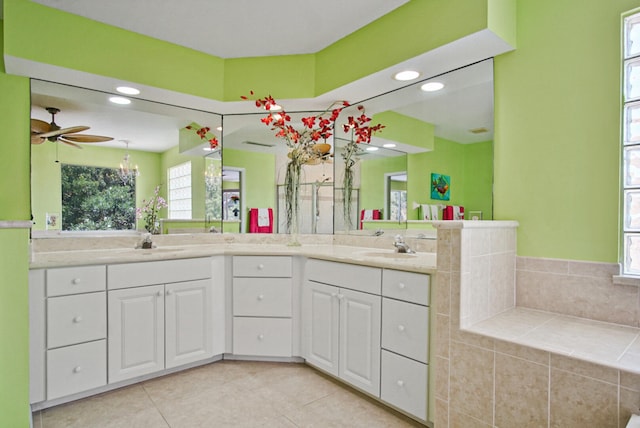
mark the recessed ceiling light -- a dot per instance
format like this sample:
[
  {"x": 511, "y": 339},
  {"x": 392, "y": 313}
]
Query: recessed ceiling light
[
  {"x": 127, "y": 90},
  {"x": 372, "y": 149},
  {"x": 120, "y": 100},
  {"x": 432, "y": 86},
  {"x": 406, "y": 75},
  {"x": 389, "y": 145}
]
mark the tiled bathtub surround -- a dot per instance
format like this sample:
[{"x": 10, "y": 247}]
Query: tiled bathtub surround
[
  {"x": 487, "y": 382},
  {"x": 580, "y": 289}
]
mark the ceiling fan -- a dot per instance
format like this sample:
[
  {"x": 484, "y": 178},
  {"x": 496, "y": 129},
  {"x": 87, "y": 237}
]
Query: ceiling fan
[{"x": 42, "y": 131}]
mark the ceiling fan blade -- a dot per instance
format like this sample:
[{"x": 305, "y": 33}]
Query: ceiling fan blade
[
  {"x": 71, "y": 143},
  {"x": 71, "y": 130},
  {"x": 83, "y": 138},
  {"x": 39, "y": 126},
  {"x": 37, "y": 139}
]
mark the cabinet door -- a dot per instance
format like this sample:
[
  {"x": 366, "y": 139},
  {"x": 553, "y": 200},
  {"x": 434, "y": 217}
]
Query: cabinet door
[
  {"x": 321, "y": 316},
  {"x": 136, "y": 332},
  {"x": 360, "y": 340},
  {"x": 189, "y": 330}
]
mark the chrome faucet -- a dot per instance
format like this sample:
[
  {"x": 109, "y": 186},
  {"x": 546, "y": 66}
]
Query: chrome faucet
[
  {"x": 378, "y": 232},
  {"x": 401, "y": 246}
]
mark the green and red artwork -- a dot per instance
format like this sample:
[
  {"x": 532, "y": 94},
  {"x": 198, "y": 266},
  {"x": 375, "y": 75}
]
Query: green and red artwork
[{"x": 440, "y": 186}]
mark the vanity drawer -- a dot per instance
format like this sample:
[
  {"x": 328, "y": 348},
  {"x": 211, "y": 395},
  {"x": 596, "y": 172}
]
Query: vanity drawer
[
  {"x": 76, "y": 319},
  {"x": 266, "y": 337},
  {"x": 403, "y": 384},
  {"x": 405, "y": 329},
  {"x": 76, "y": 368},
  {"x": 262, "y": 266},
  {"x": 74, "y": 280},
  {"x": 355, "y": 277},
  {"x": 267, "y": 297},
  {"x": 408, "y": 286},
  {"x": 159, "y": 272}
]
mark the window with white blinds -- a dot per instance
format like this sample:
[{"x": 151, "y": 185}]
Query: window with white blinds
[{"x": 179, "y": 178}]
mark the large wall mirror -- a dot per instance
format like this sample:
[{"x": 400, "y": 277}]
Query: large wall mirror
[
  {"x": 165, "y": 146},
  {"x": 238, "y": 187}
]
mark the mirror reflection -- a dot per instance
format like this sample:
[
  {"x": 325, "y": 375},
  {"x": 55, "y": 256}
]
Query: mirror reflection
[
  {"x": 429, "y": 137},
  {"x": 151, "y": 146}
]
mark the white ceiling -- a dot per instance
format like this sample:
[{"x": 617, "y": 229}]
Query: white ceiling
[{"x": 236, "y": 28}]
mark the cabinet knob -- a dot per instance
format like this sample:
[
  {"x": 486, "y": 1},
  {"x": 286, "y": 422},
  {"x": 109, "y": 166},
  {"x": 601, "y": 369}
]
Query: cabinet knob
[
  {"x": 77, "y": 369},
  {"x": 334, "y": 294},
  {"x": 75, "y": 281},
  {"x": 401, "y": 328},
  {"x": 77, "y": 319},
  {"x": 340, "y": 296},
  {"x": 260, "y": 266},
  {"x": 260, "y": 336},
  {"x": 401, "y": 285},
  {"x": 261, "y": 297},
  {"x": 159, "y": 293},
  {"x": 169, "y": 292},
  {"x": 400, "y": 383}
]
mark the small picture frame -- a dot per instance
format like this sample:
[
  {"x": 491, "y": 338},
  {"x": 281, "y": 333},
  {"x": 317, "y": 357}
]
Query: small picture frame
[
  {"x": 474, "y": 215},
  {"x": 440, "y": 187},
  {"x": 53, "y": 221}
]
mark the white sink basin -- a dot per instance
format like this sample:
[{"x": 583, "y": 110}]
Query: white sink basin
[{"x": 389, "y": 255}]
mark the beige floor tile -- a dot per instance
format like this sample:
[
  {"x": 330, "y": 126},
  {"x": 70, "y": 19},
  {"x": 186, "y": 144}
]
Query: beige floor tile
[{"x": 228, "y": 394}]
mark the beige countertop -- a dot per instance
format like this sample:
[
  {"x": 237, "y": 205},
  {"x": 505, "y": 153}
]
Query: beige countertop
[{"x": 421, "y": 262}]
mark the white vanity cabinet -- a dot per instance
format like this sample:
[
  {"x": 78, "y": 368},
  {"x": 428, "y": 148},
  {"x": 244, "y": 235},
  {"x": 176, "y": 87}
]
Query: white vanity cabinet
[
  {"x": 160, "y": 316},
  {"x": 262, "y": 306},
  {"x": 341, "y": 322},
  {"x": 69, "y": 329},
  {"x": 405, "y": 341}
]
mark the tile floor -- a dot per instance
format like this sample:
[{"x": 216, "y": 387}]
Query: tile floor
[{"x": 228, "y": 394}]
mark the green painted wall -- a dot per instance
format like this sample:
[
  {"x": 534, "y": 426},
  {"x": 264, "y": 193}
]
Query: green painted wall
[
  {"x": 14, "y": 254},
  {"x": 478, "y": 178},
  {"x": 557, "y": 134},
  {"x": 372, "y": 179},
  {"x": 414, "y": 28},
  {"x": 405, "y": 129},
  {"x": 45, "y": 174},
  {"x": 260, "y": 173}
]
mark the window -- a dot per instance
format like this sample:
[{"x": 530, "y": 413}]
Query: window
[
  {"x": 95, "y": 198},
  {"x": 180, "y": 191},
  {"x": 631, "y": 145}
]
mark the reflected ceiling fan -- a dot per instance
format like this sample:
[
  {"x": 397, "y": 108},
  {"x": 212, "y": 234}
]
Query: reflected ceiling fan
[{"x": 42, "y": 131}]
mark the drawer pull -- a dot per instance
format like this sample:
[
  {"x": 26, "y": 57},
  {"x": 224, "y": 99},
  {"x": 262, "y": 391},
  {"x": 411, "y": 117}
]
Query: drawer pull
[
  {"x": 77, "y": 319},
  {"x": 260, "y": 336},
  {"x": 401, "y": 328},
  {"x": 401, "y": 285},
  {"x": 400, "y": 383},
  {"x": 77, "y": 369},
  {"x": 260, "y": 266},
  {"x": 261, "y": 297},
  {"x": 75, "y": 281}
]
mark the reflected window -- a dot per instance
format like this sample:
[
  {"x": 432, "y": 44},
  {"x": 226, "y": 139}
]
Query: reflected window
[
  {"x": 398, "y": 205},
  {"x": 180, "y": 191},
  {"x": 95, "y": 198}
]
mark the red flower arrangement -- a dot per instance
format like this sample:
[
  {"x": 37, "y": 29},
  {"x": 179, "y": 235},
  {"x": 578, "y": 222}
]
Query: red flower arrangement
[
  {"x": 314, "y": 129},
  {"x": 204, "y": 133}
]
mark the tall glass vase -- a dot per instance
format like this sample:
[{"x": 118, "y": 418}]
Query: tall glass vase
[{"x": 292, "y": 200}]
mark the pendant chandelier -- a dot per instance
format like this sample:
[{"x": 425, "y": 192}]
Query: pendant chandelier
[{"x": 127, "y": 172}]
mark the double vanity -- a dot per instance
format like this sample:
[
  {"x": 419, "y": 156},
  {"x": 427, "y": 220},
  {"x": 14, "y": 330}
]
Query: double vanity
[{"x": 105, "y": 315}]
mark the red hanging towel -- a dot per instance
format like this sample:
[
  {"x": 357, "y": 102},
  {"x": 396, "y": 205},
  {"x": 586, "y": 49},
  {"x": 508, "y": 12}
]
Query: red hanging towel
[
  {"x": 260, "y": 220},
  {"x": 453, "y": 212},
  {"x": 369, "y": 215}
]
